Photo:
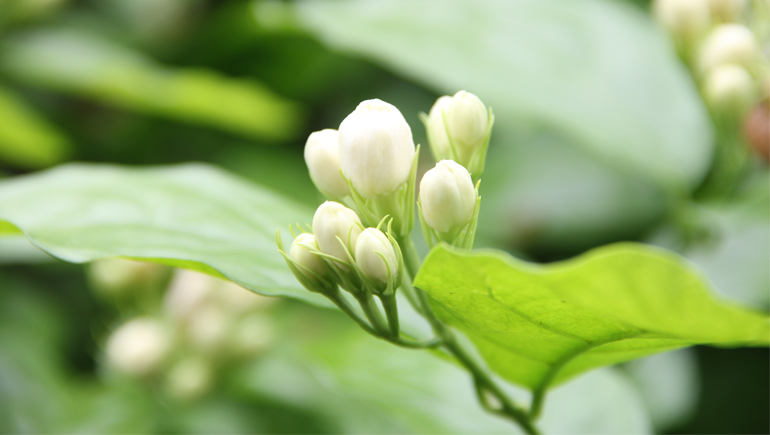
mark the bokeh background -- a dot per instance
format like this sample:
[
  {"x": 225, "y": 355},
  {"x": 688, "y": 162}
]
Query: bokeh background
[{"x": 609, "y": 127}]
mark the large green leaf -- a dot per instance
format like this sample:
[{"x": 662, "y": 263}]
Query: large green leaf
[
  {"x": 26, "y": 139},
  {"x": 192, "y": 216},
  {"x": 599, "y": 71},
  {"x": 539, "y": 325},
  {"x": 82, "y": 64}
]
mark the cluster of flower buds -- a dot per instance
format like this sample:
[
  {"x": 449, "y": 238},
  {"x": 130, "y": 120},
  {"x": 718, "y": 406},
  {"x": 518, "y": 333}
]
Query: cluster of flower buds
[
  {"x": 459, "y": 129},
  {"x": 206, "y": 325},
  {"x": 370, "y": 165},
  {"x": 715, "y": 38}
]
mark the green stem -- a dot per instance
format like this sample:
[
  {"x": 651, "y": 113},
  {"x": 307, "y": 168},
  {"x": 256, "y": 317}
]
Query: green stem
[
  {"x": 346, "y": 308},
  {"x": 483, "y": 382},
  {"x": 411, "y": 257},
  {"x": 391, "y": 312},
  {"x": 373, "y": 313}
]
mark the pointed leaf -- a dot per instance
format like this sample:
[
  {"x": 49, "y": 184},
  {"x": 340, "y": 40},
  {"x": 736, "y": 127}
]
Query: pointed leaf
[
  {"x": 191, "y": 216},
  {"x": 539, "y": 325}
]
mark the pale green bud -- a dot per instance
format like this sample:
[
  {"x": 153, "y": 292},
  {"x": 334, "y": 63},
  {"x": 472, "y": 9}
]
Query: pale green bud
[
  {"x": 436, "y": 128},
  {"x": 467, "y": 121},
  {"x": 322, "y": 157},
  {"x": 118, "y": 277},
  {"x": 728, "y": 43},
  {"x": 370, "y": 244},
  {"x": 730, "y": 89},
  {"x": 333, "y": 220},
  {"x": 727, "y": 10},
  {"x": 189, "y": 379},
  {"x": 447, "y": 197},
  {"x": 301, "y": 252},
  {"x": 376, "y": 148},
  {"x": 686, "y": 19},
  {"x": 138, "y": 347}
]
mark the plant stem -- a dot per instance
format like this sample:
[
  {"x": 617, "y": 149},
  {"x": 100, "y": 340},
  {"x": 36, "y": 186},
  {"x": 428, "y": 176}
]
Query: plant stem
[
  {"x": 391, "y": 312},
  {"x": 483, "y": 382},
  {"x": 372, "y": 311}
]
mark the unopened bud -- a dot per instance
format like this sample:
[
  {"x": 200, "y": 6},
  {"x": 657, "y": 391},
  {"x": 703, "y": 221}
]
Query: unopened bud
[
  {"x": 728, "y": 43},
  {"x": 376, "y": 148},
  {"x": 322, "y": 157},
  {"x": 189, "y": 379},
  {"x": 301, "y": 252},
  {"x": 436, "y": 128},
  {"x": 727, "y": 10},
  {"x": 447, "y": 197},
  {"x": 685, "y": 19},
  {"x": 730, "y": 90},
  {"x": 138, "y": 347},
  {"x": 467, "y": 120},
  {"x": 333, "y": 220},
  {"x": 206, "y": 330},
  {"x": 375, "y": 255},
  {"x": 118, "y": 277}
]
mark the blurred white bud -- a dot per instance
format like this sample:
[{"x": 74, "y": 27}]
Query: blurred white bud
[
  {"x": 727, "y": 10},
  {"x": 447, "y": 196},
  {"x": 189, "y": 379},
  {"x": 436, "y": 129},
  {"x": 322, "y": 157},
  {"x": 728, "y": 43},
  {"x": 300, "y": 252},
  {"x": 138, "y": 347},
  {"x": 467, "y": 120},
  {"x": 188, "y": 291},
  {"x": 730, "y": 89},
  {"x": 206, "y": 329},
  {"x": 117, "y": 277},
  {"x": 252, "y": 335},
  {"x": 686, "y": 19},
  {"x": 370, "y": 244},
  {"x": 333, "y": 220},
  {"x": 376, "y": 148}
]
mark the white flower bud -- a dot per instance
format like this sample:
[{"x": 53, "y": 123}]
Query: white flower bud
[
  {"x": 138, "y": 347},
  {"x": 727, "y": 10},
  {"x": 206, "y": 330},
  {"x": 333, "y": 220},
  {"x": 376, "y": 148},
  {"x": 730, "y": 89},
  {"x": 436, "y": 128},
  {"x": 322, "y": 157},
  {"x": 370, "y": 242},
  {"x": 684, "y": 18},
  {"x": 467, "y": 120},
  {"x": 188, "y": 291},
  {"x": 189, "y": 379},
  {"x": 447, "y": 196},
  {"x": 300, "y": 252},
  {"x": 728, "y": 43}
]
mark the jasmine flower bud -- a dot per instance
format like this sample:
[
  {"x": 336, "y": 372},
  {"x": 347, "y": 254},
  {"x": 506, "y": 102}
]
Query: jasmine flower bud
[
  {"x": 728, "y": 43},
  {"x": 686, "y": 19},
  {"x": 300, "y": 252},
  {"x": 447, "y": 197},
  {"x": 323, "y": 162},
  {"x": 138, "y": 347},
  {"x": 375, "y": 256},
  {"x": 436, "y": 129},
  {"x": 730, "y": 90},
  {"x": 376, "y": 149},
  {"x": 333, "y": 220},
  {"x": 467, "y": 121}
]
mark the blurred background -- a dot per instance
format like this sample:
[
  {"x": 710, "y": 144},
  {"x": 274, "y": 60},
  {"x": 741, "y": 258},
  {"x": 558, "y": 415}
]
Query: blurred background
[{"x": 615, "y": 120}]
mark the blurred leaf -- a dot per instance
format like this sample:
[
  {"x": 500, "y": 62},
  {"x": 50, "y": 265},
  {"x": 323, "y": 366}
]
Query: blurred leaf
[
  {"x": 27, "y": 140},
  {"x": 599, "y": 71},
  {"x": 540, "y": 325},
  {"x": 84, "y": 65},
  {"x": 368, "y": 386},
  {"x": 17, "y": 249},
  {"x": 191, "y": 216}
]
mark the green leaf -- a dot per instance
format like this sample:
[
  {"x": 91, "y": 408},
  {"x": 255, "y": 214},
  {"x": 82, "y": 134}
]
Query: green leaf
[
  {"x": 599, "y": 71},
  {"x": 540, "y": 325},
  {"x": 191, "y": 216},
  {"x": 26, "y": 139},
  {"x": 80, "y": 64}
]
